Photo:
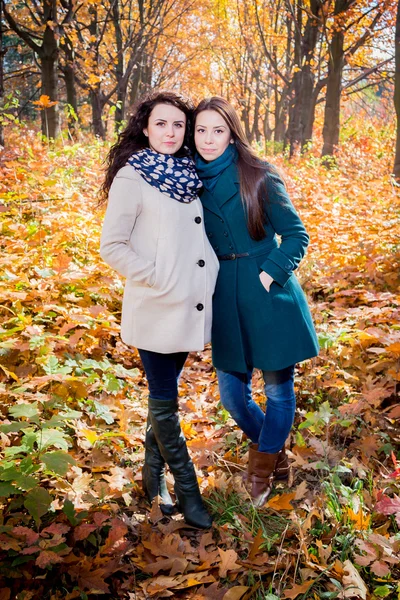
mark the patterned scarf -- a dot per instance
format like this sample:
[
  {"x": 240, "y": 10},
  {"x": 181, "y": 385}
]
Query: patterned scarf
[{"x": 175, "y": 177}]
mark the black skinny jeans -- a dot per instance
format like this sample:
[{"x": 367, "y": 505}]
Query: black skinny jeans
[{"x": 162, "y": 372}]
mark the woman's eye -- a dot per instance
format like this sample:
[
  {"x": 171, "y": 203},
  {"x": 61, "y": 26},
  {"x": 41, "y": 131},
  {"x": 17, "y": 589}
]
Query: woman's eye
[
  {"x": 219, "y": 131},
  {"x": 200, "y": 130},
  {"x": 160, "y": 124},
  {"x": 179, "y": 125}
]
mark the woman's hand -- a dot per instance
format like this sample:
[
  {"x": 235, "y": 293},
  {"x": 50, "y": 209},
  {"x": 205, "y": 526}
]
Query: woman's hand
[{"x": 266, "y": 280}]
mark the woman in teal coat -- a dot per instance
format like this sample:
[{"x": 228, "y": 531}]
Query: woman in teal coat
[{"x": 260, "y": 314}]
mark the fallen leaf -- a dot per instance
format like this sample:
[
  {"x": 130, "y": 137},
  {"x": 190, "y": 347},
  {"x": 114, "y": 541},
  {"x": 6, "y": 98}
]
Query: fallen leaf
[
  {"x": 46, "y": 558},
  {"x": 380, "y": 569},
  {"x": 81, "y": 532},
  {"x": 236, "y": 593},
  {"x": 255, "y": 547},
  {"x": 228, "y": 561},
  {"x": 296, "y": 590},
  {"x": 354, "y": 586},
  {"x": 282, "y": 502},
  {"x": 301, "y": 490}
]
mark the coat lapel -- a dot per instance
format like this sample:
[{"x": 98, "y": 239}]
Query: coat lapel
[
  {"x": 227, "y": 186},
  {"x": 208, "y": 202}
]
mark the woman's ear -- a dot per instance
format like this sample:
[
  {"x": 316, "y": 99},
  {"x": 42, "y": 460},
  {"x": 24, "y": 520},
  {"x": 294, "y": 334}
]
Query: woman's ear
[
  {"x": 145, "y": 132},
  {"x": 231, "y": 141}
]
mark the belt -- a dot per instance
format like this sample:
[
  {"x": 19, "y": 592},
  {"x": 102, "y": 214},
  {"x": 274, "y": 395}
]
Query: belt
[{"x": 232, "y": 256}]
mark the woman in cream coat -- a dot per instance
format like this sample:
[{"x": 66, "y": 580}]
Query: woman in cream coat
[{"x": 153, "y": 234}]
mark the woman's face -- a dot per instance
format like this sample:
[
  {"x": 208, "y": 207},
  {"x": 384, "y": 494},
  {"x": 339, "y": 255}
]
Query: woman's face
[
  {"x": 166, "y": 129},
  {"x": 211, "y": 135}
]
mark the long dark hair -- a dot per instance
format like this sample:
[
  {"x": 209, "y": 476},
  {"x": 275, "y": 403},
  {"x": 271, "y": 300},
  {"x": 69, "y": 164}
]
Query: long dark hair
[
  {"x": 252, "y": 170},
  {"x": 132, "y": 138}
]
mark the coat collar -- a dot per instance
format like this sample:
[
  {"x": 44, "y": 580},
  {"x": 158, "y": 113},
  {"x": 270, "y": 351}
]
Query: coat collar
[{"x": 227, "y": 186}]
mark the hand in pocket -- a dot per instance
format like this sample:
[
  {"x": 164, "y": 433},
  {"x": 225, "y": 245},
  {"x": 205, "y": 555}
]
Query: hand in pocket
[{"x": 266, "y": 280}]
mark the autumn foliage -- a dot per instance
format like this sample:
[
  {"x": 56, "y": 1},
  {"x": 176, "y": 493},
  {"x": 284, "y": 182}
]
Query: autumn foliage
[{"x": 74, "y": 521}]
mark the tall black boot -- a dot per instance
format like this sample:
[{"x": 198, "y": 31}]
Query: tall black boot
[
  {"x": 153, "y": 473},
  {"x": 164, "y": 419}
]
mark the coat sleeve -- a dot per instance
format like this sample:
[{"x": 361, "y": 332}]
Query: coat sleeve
[
  {"x": 123, "y": 209},
  {"x": 285, "y": 221}
]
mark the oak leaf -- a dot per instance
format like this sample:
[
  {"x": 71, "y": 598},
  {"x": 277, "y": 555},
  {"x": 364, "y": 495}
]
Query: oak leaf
[
  {"x": 47, "y": 557},
  {"x": 30, "y": 536},
  {"x": 228, "y": 561},
  {"x": 257, "y": 543},
  {"x": 81, "y": 532},
  {"x": 282, "y": 502},
  {"x": 354, "y": 586},
  {"x": 380, "y": 568},
  {"x": 236, "y": 593},
  {"x": 296, "y": 590},
  {"x": 174, "y": 565},
  {"x": 389, "y": 506}
]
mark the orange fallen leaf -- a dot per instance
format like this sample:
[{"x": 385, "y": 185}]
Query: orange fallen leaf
[
  {"x": 296, "y": 590},
  {"x": 361, "y": 521},
  {"x": 255, "y": 547},
  {"x": 282, "y": 502}
]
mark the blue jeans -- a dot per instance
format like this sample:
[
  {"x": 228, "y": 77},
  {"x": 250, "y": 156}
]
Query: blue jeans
[
  {"x": 268, "y": 430},
  {"x": 162, "y": 372}
]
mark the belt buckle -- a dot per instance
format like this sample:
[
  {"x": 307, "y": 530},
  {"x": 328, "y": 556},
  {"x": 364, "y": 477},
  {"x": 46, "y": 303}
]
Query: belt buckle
[{"x": 232, "y": 256}]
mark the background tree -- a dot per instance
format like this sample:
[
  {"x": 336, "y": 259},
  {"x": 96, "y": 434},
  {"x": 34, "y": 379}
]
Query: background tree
[
  {"x": 353, "y": 21},
  {"x": 38, "y": 24},
  {"x": 396, "y": 169}
]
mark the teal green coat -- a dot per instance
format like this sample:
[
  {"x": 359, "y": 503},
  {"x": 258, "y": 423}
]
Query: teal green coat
[{"x": 252, "y": 327}]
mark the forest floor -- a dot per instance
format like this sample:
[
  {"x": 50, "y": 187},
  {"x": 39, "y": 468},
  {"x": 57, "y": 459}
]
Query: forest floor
[{"x": 74, "y": 522}]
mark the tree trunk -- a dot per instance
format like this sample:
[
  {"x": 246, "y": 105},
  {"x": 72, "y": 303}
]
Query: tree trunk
[
  {"x": 72, "y": 97},
  {"x": 281, "y": 111},
  {"x": 1, "y": 73},
  {"x": 119, "y": 68},
  {"x": 97, "y": 111},
  {"x": 333, "y": 91},
  {"x": 49, "y": 72},
  {"x": 296, "y": 92},
  {"x": 310, "y": 39},
  {"x": 396, "y": 168},
  {"x": 308, "y": 116}
]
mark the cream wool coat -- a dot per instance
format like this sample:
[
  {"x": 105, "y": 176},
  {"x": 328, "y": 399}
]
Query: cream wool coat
[{"x": 160, "y": 246}]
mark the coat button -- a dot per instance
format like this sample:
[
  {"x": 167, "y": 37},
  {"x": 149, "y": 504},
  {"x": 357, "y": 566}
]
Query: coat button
[
  {"x": 200, "y": 306},
  {"x": 231, "y": 247},
  {"x": 197, "y": 220},
  {"x": 226, "y": 233},
  {"x": 210, "y": 234},
  {"x": 288, "y": 266},
  {"x": 201, "y": 263}
]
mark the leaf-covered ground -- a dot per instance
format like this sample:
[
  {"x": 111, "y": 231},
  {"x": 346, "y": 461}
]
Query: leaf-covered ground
[{"x": 74, "y": 522}]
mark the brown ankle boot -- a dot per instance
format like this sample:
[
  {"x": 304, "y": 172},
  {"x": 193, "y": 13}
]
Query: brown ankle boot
[
  {"x": 260, "y": 474},
  {"x": 282, "y": 466}
]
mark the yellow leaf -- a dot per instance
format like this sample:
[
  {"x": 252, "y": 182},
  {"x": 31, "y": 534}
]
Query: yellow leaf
[
  {"x": 188, "y": 430},
  {"x": 90, "y": 435}
]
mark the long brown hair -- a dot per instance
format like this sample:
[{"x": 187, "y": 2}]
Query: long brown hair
[
  {"x": 132, "y": 138},
  {"x": 252, "y": 169}
]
